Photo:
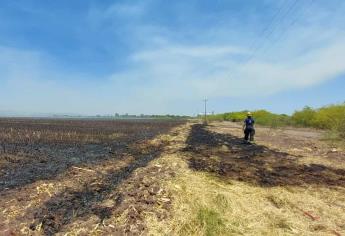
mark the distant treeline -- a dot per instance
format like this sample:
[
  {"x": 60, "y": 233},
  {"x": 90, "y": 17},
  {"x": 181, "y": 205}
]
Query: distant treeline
[
  {"x": 143, "y": 116},
  {"x": 125, "y": 116},
  {"x": 330, "y": 117}
]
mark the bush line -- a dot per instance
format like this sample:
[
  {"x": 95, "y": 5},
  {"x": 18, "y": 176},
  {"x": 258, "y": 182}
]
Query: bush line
[{"x": 331, "y": 117}]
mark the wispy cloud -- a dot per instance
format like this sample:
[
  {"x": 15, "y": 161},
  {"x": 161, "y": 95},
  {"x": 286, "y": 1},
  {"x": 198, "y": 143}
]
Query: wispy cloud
[
  {"x": 301, "y": 57},
  {"x": 126, "y": 9},
  {"x": 165, "y": 65},
  {"x": 216, "y": 71}
]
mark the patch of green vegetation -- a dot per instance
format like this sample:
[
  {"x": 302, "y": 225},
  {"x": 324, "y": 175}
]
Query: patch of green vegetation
[
  {"x": 330, "y": 118},
  {"x": 206, "y": 221},
  {"x": 262, "y": 117},
  {"x": 211, "y": 221}
]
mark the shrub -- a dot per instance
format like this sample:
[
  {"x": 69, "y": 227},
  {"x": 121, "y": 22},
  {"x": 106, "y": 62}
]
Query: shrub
[
  {"x": 330, "y": 117},
  {"x": 304, "y": 117}
]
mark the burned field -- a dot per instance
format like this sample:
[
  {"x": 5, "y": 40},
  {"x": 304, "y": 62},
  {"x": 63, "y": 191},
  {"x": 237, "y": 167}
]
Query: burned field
[
  {"x": 155, "y": 177},
  {"x": 290, "y": 182},
  {"x": 59, "y": 176},
  {"x": 260, "y": 165}
]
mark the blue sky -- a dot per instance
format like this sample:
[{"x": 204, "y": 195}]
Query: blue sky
[{"x": 101, "y": 57}]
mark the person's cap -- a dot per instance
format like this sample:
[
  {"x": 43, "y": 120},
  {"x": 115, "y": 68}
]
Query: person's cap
[{"x": 249, "y": 113}]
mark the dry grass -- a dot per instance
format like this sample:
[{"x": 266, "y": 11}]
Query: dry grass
[{"x": 207, "y": 205}]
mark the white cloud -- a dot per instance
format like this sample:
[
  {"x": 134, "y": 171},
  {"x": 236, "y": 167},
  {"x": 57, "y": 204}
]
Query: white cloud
[
  {"x": 160, "y": 77},
  {"x": 304, "y": 55},
  {"x": 166, "y": 70},
  {"x": 196, "y": 71},
  {"x": 189, "y": 51},
  {"x": 125, "y": 9},
  {"x": 118, "y": 10}
]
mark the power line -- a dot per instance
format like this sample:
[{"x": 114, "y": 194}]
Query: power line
[
  {"x": 292, "y": 23},
  {"x": 205, "y": 101},
  {"x": 273, "y": 26},
  {"x": 269, "y": 25}
]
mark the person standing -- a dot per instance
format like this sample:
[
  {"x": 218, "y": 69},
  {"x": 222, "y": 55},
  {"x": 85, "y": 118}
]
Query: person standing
[{"x": 248, "y": 128}]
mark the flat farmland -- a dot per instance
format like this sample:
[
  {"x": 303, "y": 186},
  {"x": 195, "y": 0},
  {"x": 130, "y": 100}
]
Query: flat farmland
[
  {"x": 167, "y": 177},
  {"x": 55, "y": 174}
]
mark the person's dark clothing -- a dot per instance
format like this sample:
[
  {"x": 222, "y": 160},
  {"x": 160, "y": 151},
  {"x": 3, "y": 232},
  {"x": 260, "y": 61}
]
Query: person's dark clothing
[
  {"x": 249, "y": 130},
  {"x": 249, "y": 122},
  {"x": 249, "y": 134}
]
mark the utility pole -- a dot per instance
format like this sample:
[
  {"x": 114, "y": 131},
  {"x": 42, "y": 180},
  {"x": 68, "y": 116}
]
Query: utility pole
[{"x": 205, "y": 101}]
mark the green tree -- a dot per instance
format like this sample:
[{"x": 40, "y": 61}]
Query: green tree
[{"x": 304, "y": 117}]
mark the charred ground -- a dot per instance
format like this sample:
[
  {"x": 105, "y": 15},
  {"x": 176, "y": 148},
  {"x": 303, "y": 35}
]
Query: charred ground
[
  {"x": 155, "y": 177},
  {"x": 254, "y": 163},
  {"x": 54, "y": 173}
]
